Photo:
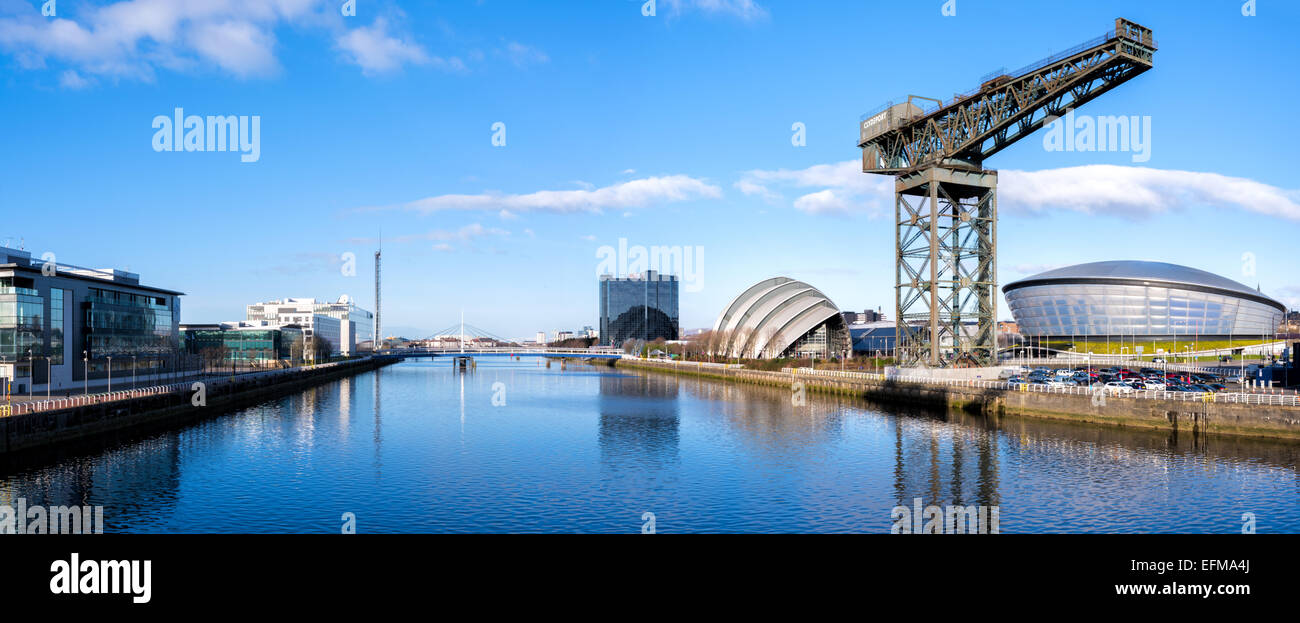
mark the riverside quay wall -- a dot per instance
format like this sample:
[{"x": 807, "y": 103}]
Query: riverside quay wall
[
  {"x": 63, "y": 421},
  {"x": 1259, "y": 415}
]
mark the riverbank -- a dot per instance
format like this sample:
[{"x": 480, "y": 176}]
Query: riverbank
[
  {"x": 97, "y": 417},
  {"x": 996, "y": 399}
]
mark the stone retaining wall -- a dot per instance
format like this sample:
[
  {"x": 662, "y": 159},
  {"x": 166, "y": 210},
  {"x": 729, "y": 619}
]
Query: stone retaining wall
[{"x": 1191, "y": 416}]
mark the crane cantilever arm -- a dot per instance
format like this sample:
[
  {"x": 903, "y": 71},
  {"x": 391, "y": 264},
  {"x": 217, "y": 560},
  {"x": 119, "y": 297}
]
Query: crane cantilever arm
[{"x": 903, "y": 139}]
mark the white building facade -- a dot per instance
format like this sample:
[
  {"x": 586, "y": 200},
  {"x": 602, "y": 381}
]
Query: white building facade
[{"x": 344, "y": 325}]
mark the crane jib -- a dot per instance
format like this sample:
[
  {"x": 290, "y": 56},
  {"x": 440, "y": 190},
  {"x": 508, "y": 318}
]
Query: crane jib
[{"x": 973, "y": 126}]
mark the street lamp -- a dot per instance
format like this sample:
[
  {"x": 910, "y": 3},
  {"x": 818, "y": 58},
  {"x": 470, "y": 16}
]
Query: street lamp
[
  {"x": 31, "y": 373},
  {"x": 110, "y": 374},
  {"x": 132, "y": 372},
  {"x": 49, "y": 376},
  {"x": 85, "y": 371}
]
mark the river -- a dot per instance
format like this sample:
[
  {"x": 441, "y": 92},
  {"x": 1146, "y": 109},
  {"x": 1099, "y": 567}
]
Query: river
[{"x": 516, "y": 446}]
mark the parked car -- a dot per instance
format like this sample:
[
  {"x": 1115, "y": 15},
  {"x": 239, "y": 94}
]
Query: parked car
[{"x": 1116, "y": 387}]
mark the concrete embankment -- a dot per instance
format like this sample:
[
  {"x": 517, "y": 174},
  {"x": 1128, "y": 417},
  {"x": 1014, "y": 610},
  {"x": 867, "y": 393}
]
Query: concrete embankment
[
  {"x": 101, "y": 420},
  {"x": 996, "y": 399}
]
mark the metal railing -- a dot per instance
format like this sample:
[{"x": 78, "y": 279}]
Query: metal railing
[
  {"x": 500, "y": 349},
  {"x": 1147, "y": 394},
  {"x": 210, "y": 381}
]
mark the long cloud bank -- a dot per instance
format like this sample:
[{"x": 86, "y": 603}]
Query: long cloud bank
[
  {"x": 842, "y": 188},
  {"x": 624, "y": 195}
]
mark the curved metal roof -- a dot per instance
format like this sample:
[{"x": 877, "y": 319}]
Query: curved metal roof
[
  {"x": 1135, "y": 271},
  {"x": 770, "y": 315}
]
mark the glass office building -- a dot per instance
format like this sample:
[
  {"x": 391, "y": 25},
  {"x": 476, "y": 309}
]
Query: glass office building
[
  {"x": 125, "y": 323},
  {"x": 243, "y": 345},
  {"x": 22, "y": 318},
  {"x": 638, "y": 307},
  {"x": 60, "y": 324},
  {"x": 1141, "y": 299}
]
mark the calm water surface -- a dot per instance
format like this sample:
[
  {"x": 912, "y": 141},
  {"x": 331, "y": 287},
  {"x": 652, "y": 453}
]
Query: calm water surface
[{"x": 417, "y": 447}]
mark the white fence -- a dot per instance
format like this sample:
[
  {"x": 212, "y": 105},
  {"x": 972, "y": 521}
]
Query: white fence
[
  {"x": 677, "y": 363},
  {"x": 1146, "y": 394}
]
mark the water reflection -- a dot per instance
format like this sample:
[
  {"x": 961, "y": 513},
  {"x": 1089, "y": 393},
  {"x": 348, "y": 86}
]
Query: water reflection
[
  {"x": 638, "y": 424},
  {"x": 379, "y": 425},
  {"x": 592, "y": 448}
]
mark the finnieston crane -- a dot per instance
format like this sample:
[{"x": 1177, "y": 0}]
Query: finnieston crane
[{"x": 945, "y": 203}]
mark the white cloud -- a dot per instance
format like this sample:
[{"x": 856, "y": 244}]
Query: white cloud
[
  {"x": 465, "y": 236},
  {"x": 1130, "y": 192},
  {"x": 747, "y": 10},
  {"x": 237, "y": 47},
  {"x": 825, "y": 202},
  {"x": 376, "y": 51},
  {"x": 1138, "y": 191},
  {"x": 70, "y": 79},
  {"x": 844, "y": 188},
  {"x": 132, "y": 39},
  {"x": 524, "y": 55},
  {"x": 630, "y": 194},
  {"x": 466, "y": 233}
]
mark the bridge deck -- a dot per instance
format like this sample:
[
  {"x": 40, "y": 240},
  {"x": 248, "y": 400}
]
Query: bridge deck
[{"x": 504, "y": 352}]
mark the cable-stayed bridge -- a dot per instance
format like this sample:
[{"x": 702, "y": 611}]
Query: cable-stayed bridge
[{"x": 467, "y": 340}]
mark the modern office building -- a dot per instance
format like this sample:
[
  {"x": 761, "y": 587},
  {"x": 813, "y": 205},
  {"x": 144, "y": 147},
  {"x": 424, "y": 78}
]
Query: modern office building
[
  {"x": 342, "y": 323},
  {"x": 1152, "y": 300},
  {"x": 244, "y": 343},
  {"x": 863, "y": 317},
  {"x": 361, "y": 331},
  {"x": 780, "y": 317},
  {"x": 874, "y": 338},
  {"x": 638, "y": 307},
  {"x": 63, "y": 325}
]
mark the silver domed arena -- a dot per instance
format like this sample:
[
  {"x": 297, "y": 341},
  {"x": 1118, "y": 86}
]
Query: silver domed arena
[
  {"x": 1139, "y": 298},
  {"x": 780, "y": 317}
]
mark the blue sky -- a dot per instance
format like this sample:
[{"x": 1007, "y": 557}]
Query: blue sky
[{"x": 667, "y": 130}]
